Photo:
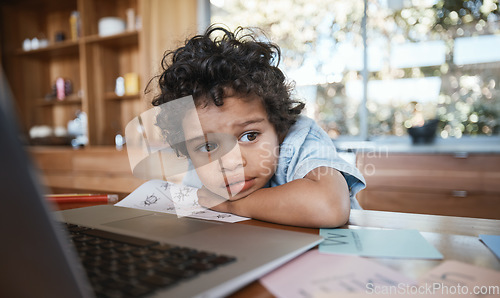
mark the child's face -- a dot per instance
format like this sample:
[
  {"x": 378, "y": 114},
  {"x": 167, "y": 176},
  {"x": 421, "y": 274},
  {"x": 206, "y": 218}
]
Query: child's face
[{"x": 238, "y": 151}]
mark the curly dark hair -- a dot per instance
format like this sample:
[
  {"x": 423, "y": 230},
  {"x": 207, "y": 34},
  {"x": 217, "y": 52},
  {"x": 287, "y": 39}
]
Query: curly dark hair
[{"x": 212, "y": 68}]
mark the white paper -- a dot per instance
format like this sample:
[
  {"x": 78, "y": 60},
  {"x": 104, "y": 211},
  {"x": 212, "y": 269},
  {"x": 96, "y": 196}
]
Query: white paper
[
  {"x": 167, "y": 197},
  {"x": 318, "y": 275},
  {"x": 315, "y": 274}
]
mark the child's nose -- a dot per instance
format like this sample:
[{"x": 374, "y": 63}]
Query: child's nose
[{"x": 233, "y": 160}]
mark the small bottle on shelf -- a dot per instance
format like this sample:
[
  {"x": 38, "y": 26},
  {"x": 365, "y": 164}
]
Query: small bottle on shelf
[{"x": 74, "y": 21}]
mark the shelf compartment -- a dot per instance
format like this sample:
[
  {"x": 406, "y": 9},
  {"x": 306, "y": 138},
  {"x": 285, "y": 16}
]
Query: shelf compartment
[{"x": 116, "y": 115}]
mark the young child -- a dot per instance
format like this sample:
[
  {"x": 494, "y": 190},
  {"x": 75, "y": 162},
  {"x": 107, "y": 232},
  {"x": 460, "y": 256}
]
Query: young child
[{"x": 285, "y": 168}]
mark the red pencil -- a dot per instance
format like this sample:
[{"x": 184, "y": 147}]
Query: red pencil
[{"x": 82, "y": 198}]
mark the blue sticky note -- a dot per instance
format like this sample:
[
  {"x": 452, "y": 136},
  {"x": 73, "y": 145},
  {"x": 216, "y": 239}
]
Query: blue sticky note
[
  {"x": 493, "y": 243},
  {"x": 378, "y": 243}
]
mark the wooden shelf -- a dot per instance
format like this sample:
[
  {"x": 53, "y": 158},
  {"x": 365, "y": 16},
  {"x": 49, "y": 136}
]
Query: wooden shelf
[
  {"x": 118, "y": 40},
  {"x": 112, "y": 96},
  {"x": 69, "y": 100},
  {"x": 60, "y": 49},
  {"x": 92, "y": 63}
]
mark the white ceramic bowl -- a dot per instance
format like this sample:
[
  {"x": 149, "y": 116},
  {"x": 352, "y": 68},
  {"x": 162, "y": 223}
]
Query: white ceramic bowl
[{"x": 111, "y": 25}]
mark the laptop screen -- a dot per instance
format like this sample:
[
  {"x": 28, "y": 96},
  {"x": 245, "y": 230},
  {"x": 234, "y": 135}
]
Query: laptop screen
[{"x": 32, "y": 255}]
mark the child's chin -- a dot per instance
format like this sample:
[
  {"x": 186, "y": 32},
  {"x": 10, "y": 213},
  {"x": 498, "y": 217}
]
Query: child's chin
[
  {"x": 233, "y": 195},
  {"x": 240, "y": 195},
  {"x": 236, "y": 198}
]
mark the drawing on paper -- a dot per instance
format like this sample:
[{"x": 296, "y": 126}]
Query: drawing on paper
[
  {"x": 183, "y": 193},
  {"x": 150, "y": 200},
  {"x": 221, "y": 216},
  {"x": 165, "y": 186}
]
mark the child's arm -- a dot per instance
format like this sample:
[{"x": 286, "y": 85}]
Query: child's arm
[{"x": 320, "y": 199}]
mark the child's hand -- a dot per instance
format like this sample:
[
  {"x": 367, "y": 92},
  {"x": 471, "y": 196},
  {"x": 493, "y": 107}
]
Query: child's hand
[{"x": 210, "y": 200}]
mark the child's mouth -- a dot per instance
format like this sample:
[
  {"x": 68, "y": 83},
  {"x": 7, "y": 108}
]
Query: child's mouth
[{"x": 240, "y": 186}]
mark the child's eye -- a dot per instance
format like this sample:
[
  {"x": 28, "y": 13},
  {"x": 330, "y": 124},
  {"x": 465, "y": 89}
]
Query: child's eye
[
  {"x": 207, "y": 147},
  {"x": 249, "y": 136}
]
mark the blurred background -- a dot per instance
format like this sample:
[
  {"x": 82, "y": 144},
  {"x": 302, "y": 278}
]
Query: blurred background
[
  {"x": 409, "y": 90},
  {"x": 424, "y": 59}
]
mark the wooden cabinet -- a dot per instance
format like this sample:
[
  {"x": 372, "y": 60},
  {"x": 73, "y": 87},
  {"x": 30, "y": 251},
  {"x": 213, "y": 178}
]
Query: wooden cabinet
[
  {"x": 444, "y": 184},
  {"x": 89, "y": 170},
  {"x": 91, "y": 62}
]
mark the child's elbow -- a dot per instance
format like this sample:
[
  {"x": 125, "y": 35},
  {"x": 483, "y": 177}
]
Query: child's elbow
[
  {"x": 336, "y": 219},
  {"x": 342, "y": 217},
  {"x": 336, "y": 212}
]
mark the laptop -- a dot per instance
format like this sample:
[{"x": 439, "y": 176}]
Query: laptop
[{"x": 39, "y": 257}]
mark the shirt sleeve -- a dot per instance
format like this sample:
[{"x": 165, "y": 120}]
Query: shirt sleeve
[{"x": 317, "y": 150}]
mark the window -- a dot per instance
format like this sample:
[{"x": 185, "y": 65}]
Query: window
[{"x": 423, "y": 60}]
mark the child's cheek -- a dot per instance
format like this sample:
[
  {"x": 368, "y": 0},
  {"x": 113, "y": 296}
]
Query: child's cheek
[
  {"x": 212, "y": 177},
  {"x": 268, "y": 158},
  {"x": 267, "y": 168}
]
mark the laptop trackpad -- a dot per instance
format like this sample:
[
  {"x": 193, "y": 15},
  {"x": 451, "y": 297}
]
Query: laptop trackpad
[{"x": 167, "y": 226}]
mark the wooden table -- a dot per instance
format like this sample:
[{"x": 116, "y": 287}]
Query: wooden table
[{"x": 455, "y": 237}]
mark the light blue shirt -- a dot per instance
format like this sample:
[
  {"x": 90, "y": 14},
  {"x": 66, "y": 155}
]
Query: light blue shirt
[{"x": 305, "y": 148}]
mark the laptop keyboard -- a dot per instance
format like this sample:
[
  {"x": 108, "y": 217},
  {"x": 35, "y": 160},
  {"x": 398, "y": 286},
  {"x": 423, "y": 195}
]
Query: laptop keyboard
[{"x": 124, "y": 266}]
